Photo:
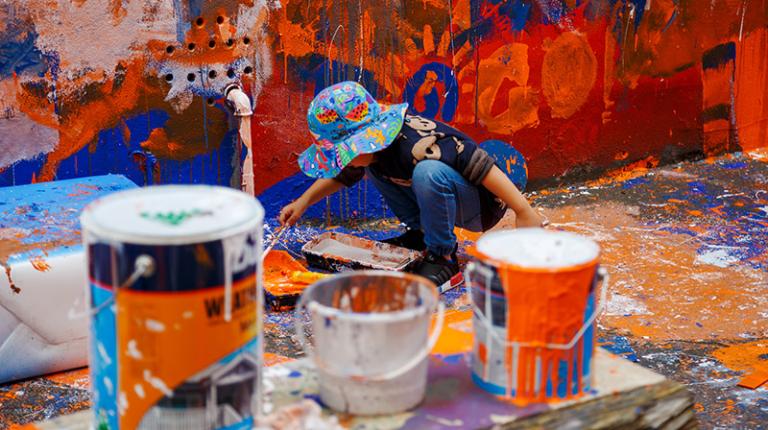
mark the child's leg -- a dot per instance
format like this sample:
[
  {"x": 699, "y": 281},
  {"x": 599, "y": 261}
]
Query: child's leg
[
  {"x": 446, "y": 200},
  {"x": 400, "y": 199}
]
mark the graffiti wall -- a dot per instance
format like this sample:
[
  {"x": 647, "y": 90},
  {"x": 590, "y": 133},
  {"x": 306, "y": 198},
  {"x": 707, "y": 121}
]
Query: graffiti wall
[
  {"x": 134, "y": 87},
  {"x": 579, "y": 87}
]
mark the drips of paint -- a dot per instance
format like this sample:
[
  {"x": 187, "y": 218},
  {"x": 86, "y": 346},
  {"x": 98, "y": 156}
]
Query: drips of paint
[{"x": 547, "y": 277}]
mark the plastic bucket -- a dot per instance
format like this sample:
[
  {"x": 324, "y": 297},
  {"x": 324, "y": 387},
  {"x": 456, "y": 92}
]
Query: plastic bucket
[
  {"x": 371, "y": 339},
  {"x": 176, "y": 308},
  {"x": 533, "y": 292}
]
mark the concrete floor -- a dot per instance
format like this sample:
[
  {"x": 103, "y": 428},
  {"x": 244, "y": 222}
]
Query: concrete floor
[{"x": 686, "y": 246}]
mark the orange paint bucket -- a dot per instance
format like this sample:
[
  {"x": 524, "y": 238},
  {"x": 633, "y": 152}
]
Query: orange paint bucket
[{"x": 533, "y": 293}]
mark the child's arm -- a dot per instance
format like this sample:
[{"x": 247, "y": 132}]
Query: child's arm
[
  {"x": 319, "y": 190},
  {"x": 499, "y": 184}
]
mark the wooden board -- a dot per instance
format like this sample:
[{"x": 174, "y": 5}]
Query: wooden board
[{"x": 626, "y": 396}]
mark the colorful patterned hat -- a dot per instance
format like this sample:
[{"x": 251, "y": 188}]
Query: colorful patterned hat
[{"x": 346, "y": 121}]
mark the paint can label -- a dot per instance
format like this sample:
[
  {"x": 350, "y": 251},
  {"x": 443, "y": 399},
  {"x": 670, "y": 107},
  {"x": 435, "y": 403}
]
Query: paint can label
[
  {"x": 495, "y": 366},
  {"x": 180, "y": 348},
  {"x": 534, "y": 297}
]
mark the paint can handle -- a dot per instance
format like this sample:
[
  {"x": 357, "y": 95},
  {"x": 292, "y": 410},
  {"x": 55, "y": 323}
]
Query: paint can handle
[
  {"x": 475, "y": 269},
  {"x": 392, "y": 374},
  {"x": 143, "y": 266}
]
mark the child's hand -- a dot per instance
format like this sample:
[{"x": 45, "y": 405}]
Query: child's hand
[
  {"x": 292, "y": 212},
  {"x": 530, "y": 218}
]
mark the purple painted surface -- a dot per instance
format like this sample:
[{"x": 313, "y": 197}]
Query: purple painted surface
[{"x": 452, "y": 396}]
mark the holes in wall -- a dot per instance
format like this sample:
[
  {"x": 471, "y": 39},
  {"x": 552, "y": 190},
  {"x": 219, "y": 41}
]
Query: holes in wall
[
  {"x": 246, "y": 40},
  {"x": 168, "y": 77},
  {"x": 191, "y": 77},
  {"x": 230, "y": 42},
  {"x": 212, "y": 74},
  {"x": 212, "y": 44},
  {"x": 200, "y": 21},
  {"x": 220, "y": 19},
  {"x": 191, "y": 46},
  {"x": 230, "y": 73},
  {"x": 248, "y": 70},
  {"x": 210, "y": 101},
  {"x": 169, "y": 49}
]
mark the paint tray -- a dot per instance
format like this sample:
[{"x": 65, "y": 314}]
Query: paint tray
[{"x": 338, "y": 252}]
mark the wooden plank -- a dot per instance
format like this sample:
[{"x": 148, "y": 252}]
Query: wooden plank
[{"x": 626, "y": 396}]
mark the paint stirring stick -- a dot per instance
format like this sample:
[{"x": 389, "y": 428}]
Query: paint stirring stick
[{"x": 273, "y": 242}]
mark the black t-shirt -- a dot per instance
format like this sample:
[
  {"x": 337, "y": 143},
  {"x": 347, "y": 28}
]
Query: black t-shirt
[{"x": 425, "y": 139}]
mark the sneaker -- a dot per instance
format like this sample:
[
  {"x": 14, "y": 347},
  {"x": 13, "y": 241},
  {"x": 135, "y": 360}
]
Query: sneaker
[
  {"x": 411, "y": 239},
  {"x": 444, "y": 273}
]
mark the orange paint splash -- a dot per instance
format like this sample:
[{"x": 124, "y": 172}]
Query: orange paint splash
[
  {"x": 284, "y": 275},
  {"x": 658, "y": 276},
  {"x": 625, "y": 173},
  {"x": 40, "y": 264},
  {"x": 568, "y": 74},
  {"x": 750, "y": 358},
  {"x": 456, "y": 336},
  {"x": 79, "y": 378},
  {"x": 544, "y": 307}
]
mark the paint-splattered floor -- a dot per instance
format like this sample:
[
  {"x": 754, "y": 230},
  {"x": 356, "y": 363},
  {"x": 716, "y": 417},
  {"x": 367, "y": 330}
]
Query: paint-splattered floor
[{"x": 687, "y": 249}]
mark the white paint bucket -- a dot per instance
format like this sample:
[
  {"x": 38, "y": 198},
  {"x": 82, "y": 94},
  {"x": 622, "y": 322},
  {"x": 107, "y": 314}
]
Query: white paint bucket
[{"x": 371, "y": 339}]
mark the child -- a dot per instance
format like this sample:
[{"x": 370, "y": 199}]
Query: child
[{"x": 432, "y": 176}]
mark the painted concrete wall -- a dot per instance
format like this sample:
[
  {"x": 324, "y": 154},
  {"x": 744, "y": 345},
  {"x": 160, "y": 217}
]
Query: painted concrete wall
[{"x": 579, "y": 87}]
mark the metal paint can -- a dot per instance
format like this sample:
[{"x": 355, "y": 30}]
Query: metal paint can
[
  {"x": 371, "y": 339},
  {"x": 533, "y": 293},
  {"x": 176, "y": 307}
]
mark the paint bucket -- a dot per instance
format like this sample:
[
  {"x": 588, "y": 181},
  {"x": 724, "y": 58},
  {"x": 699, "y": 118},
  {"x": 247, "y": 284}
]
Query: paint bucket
[
  {"x": 370, "y": 339},
  {"x": 533, "y": 292},
  {"x": 176, "y": 307}
]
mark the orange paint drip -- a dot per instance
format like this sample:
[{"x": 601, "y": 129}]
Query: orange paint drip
[{"x": 544, "y": 307}]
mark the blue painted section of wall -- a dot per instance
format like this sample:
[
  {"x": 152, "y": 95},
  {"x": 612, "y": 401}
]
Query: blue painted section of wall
[
  {"x": 112, "y": 154},
  {"x": 362, "y": 201},
  {"x": 18, "y": 52},
  {"x": 450, "y": 94},
  {"x": 48, "y": 213}
]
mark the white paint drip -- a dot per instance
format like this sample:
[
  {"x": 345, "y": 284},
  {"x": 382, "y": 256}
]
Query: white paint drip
[
  {"x": 157, "y": 383},
  {"x": 133, "y": 350},
  {"x": 122, "y": 403},
  {"x": 103, "y": 354},
  {"x": 139, "y": 391},
  {"x": 154, "y": 326},
  {"x": 108, "y": 384},
  {"x": 743, "y": 13}
]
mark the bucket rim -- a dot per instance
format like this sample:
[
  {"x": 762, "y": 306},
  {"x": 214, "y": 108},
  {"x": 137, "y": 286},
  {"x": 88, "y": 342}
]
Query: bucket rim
[
  {"x": 501, "y": 264},
  {"x": 375, "y": 317},
  {"x": 95, "y": 230}
]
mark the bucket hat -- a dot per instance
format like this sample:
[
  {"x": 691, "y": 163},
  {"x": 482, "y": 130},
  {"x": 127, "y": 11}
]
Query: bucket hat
[{"x": 346, "y": 121}]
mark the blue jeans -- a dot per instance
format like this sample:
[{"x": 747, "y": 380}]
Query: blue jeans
[{"x": 438, "y": 200}]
